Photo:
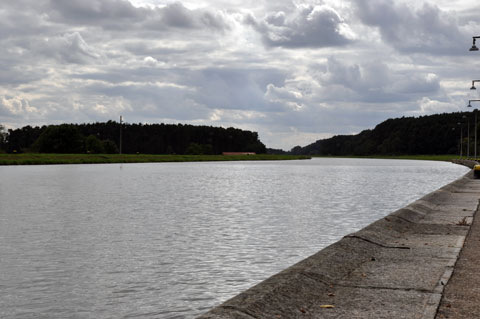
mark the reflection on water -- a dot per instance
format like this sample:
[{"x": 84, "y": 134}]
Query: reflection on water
[{"x": 172, "y": 240}]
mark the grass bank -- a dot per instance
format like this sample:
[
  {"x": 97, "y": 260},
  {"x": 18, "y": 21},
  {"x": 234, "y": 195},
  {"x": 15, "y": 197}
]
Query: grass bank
[
  {"x": 43, "y": 159},
  {"x": 444, "y": 158}
]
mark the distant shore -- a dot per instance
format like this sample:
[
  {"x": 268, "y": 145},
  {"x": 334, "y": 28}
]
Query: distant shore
[{"x": 46, "y": 159}]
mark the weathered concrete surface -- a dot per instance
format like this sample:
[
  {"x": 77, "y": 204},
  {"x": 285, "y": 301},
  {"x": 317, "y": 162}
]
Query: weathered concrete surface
[
  {"x": 461, "y": 297},
  {"x": 397, "y": 267}
]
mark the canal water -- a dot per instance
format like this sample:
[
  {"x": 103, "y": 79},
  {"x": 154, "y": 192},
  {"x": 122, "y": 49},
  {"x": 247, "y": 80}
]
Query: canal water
[{"x": 171, "y": 240}]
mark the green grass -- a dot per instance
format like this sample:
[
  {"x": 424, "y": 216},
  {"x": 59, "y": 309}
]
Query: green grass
[
  {"x": 445, "y": 158},
  {"x": 43, "y": 159}
]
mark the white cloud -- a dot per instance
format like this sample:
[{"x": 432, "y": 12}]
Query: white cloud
[
  {"x": 428, "y": 106},
  {"x": 152, "y": 62},
  {"x": 16, "y": 107}
]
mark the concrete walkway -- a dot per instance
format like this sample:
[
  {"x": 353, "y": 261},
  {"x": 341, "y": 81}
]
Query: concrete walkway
[
  {"x": 396, "y": 267},
  {"x": 461, "y": 297}
]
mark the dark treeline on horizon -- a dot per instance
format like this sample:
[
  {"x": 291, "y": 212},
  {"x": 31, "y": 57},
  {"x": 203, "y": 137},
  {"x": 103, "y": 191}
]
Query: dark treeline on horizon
[
  {"x": 425, "y": 135},
  {"x": 136, "y": 138}
]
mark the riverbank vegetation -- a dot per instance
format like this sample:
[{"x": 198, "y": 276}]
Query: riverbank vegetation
[
  {"x": 443, "y": 158},
  {"x": 425, "y": 135},
  {"x": 38, "y": 158},
  {"x": 112, "y": 137}
]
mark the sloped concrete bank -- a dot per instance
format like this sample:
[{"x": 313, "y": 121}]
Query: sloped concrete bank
[{"x": 396, "y": 267}]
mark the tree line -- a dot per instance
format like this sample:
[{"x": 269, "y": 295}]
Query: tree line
[
  {"x": 136, "y": 138},
  {"x": 425, "y": 135}
]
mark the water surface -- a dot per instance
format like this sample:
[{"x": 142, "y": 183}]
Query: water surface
[{"x": 171, "y": 240}]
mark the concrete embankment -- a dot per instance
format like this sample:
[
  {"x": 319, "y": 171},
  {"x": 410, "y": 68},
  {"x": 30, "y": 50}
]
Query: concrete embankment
[{"x": 396, "y": 267}]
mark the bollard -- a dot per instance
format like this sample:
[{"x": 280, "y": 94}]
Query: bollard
[{"x": 476, "y": 171}]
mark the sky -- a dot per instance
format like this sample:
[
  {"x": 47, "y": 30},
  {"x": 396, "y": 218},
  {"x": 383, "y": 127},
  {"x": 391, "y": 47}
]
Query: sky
[{"x": 293, "y": 71}]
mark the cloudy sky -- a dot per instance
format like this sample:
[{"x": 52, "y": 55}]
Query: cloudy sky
[{"x": 294, "y": 71}]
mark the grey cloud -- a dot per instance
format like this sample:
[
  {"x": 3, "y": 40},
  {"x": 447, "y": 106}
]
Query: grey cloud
[
  {"x": 276, "y": 93},
  {"x": 341, "y": 119},
  {"x": 307, "y": 27},
  {"x": 152, "y": 101},
  {"x": 69, "y": 48},
  {"x": 235, "y": 88},
  {"x": 176, "y": 15},
  {"x": 417, "y": 83},
  {"x": 90, "y": 11},
  {"x": 136, "y": 75},
  {"x": 13, "y": 73},
  {"x": 372, "y": 82},
  {"x": 118, "y": 15},
  {"x": 211, "y": 88},
  {"x": 424, "y": 30},
  {"x": 22, "y": 18},
  {"x": 31, "y": 36},
  {"x": 151, "y": 49}
]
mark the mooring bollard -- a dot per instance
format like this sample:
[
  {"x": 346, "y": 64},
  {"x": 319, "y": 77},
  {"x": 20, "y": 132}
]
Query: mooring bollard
[{"x": 476, "y": 171}]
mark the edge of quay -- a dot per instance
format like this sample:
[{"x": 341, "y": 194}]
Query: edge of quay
[{"x": 396, "y": 267}]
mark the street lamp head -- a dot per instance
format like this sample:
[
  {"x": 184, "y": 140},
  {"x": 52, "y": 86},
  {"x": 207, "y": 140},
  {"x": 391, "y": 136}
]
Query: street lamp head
[
  {"x": 469, "y": 105},
  {"x": 473, "y": 87},
  {"x": 474, "y": 47}
]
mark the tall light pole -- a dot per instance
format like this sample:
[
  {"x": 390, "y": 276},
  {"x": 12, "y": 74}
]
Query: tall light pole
[
  {"x": 474, "y": 48},
  {"x": 120, "y": 144},
  {"x": 461, "y": 137},
  {"x": 475, "y": 111},
  {"x": 468, "y": 135}
]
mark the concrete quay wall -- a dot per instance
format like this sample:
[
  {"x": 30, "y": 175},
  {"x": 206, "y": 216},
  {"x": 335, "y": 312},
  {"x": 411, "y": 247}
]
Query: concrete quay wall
[{"x": 396, "y": 267}]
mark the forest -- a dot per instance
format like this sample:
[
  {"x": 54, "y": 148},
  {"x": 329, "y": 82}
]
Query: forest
[
  {"x": 135, "y": 138},
  {"x": 426, "y": 135}
]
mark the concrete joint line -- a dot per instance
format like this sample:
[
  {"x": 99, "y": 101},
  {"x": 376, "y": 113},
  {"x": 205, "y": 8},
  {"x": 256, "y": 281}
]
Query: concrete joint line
[
  {"x": 375, "y": 243},
  {"x": 345, "y": 285},
  {"x": 465, "y": 192},
  {"x": 328, "y": 282},
  {"x": 403, "y": 218},
  {"x": 240, "y": 310}
]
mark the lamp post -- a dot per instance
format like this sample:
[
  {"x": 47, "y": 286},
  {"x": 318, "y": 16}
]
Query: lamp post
[
  {"x": 475, "y": 111},
  {"x": 474, "y": 47},
  {"x": 120, "y": 143},
  {"x": 453, "y": 130},
  {"x": 461, "y": 137},
  {"x": 468, "y": 135}
]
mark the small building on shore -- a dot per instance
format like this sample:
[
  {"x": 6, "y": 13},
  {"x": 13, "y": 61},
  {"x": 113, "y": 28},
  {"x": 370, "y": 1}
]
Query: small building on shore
[{"x": 238, "y": 153}]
